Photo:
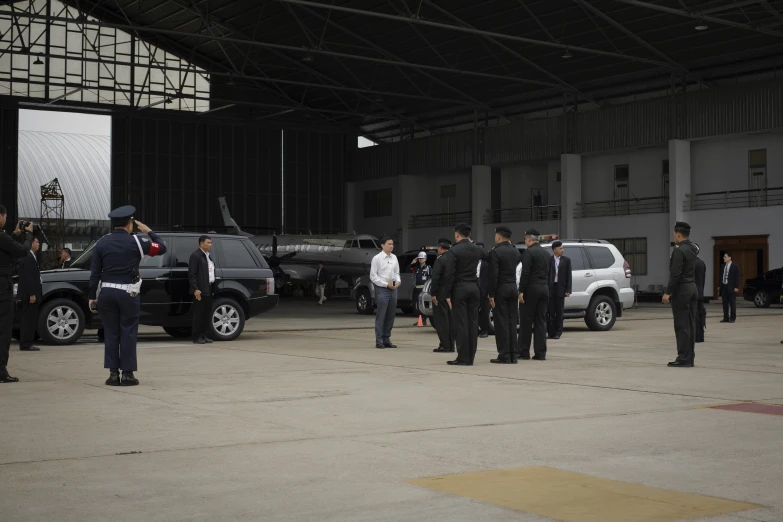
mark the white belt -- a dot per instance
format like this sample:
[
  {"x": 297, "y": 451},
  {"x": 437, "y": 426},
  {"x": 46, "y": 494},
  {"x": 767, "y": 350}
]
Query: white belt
[{"x": 116, "y": 285}]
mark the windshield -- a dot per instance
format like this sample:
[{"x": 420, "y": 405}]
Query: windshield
[{"x": 83, "y": 261}]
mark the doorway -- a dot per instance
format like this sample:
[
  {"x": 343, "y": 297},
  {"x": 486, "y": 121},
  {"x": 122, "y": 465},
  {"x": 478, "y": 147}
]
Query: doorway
[{"x": 750, "y": 253}]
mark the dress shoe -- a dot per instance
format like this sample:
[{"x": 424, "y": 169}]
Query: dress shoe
[
  {"x": 208, "y": 340},
  {"x": 523, "y": 357},
  {"x": 114, "y": 378},
  {"x": 458, "y": 363},
  {"x": 502, "y": 361},
  {"x": 31, "y": 349},
  {"x": 483, "y": 335},
  {"x": 440, "y": 350},
  {"x": 389, "y": 345},
  {"x": 128, "y": 379},
  {"x": 199, "y": 341},
  {"x": 725, "y": 321},
  {"x": 380, "y": 346},
  {"x": 4, "y": 377},
  {"x": 539, "y": 357},
  {"x": 700, "y": 340},
  {"x": 733, "y": 320},
  {"x": 680, "y": 364}
]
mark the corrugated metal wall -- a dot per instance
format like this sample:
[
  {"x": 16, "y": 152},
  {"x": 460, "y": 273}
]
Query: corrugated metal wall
[
  {"x": 633, "y": 125},
  {"x": 9, "y": 145}
]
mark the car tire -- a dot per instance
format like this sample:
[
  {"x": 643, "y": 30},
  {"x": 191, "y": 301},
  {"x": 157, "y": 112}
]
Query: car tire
[
  {"x": 364, "y": 302},
  {"x": 227, "y": 320},
  {"x": 761, "y": 299},
  {"x": 601, "y": 314},
  {"x": 178, "y": 332},
  {"x": 60, "y": 322}
]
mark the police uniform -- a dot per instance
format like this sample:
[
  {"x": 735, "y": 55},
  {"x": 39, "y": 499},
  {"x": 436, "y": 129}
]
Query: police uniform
[
  {"x": 684, "y": 297},
  {"x": 115, "y": 265},
  {"x": 503, "y": 262},
  {"x": 534, "y": 288},
  {"x": 423, "y": 274},
  {"x": 441, "y": 312},
  {"x": 10, "y": 250}
]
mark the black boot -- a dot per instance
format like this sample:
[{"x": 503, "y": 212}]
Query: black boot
[
  {"x": 128, "y": 379},
  {"x": 114, "y": 377},
  {"x": 4, "y": 377}
]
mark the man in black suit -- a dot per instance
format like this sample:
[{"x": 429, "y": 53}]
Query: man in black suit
[
  {"x": 30, "y": 295},
  {"x": 700, "y": 275},
  {"x": 729, "y": 288},
  {"x": 321, "y": 277},
  {"x": 559, "y": 289},
  {"x": 504, "y": 294},
  {"x": 201, "y": 273},
  {"x": 485, "y": 328},
  {"x": 441, "y": 312},
  {"x": 534, "y": 296},
  {"x": 65, "y": 258}
]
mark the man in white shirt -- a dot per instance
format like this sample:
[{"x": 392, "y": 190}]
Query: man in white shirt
[
  {"x": 201, "y": 274},
  {"x": 385, "y": 276}
]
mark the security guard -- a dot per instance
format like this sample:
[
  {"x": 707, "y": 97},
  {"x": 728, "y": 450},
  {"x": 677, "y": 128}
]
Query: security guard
[
  {"x": 503, "y": 295},
  {"x": 115, "y": 264},
  {"x": 462, "y": 293},
  {"x": 441, "y": 312},
  {"x": 10, "y": 250},
  {"x": 534, "y": 296},
  {"x": 423, "y": 273},
  {"x": 681, "y": 292},
  {"x": 700, "y": 272}
]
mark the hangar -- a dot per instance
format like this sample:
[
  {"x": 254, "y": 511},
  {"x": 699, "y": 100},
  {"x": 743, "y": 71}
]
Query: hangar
[{"x": 604, "y": 119}]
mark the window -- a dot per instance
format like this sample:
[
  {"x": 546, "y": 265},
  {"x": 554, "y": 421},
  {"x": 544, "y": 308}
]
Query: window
[
  {"x": 84, "y": 261},
  {"x": 601, "y": 257},
  {"x": 634, "y": 250},
  {"x": 183, "y": 247},
  {"x": 234, "y": 254},
  {"x": 575, "y": 254},
  {"x": 367, "y": 243},
  {"x": 757, "y": 176},
  {"x": 378, "y": 203}
]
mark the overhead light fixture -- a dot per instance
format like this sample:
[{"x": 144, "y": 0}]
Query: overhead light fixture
[
  {"x": 567, "y": 54},
  {"x": 38, "y": 60},
  {"x": 702, "y": 26}
]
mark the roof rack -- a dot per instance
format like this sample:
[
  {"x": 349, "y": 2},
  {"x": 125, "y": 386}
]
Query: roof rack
[{"x": 602, "y": 241}]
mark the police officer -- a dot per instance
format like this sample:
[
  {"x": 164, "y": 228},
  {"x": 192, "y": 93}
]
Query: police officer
[
  {"x": 534, "y": 296},
  {"x": 681, "y": 292},
  {"x": 503, "y": 295},
  {"x": 462, "y": 293},
  {"x": 441, "y": 311},
  {"x": 700, "y": 272},
  {"x": 115, "y": 264},
  {"x": 9, "y": 251},
  {"x": 423, "y": 273}
]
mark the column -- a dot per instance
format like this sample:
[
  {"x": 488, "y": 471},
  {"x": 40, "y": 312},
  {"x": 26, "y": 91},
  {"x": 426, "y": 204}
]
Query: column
[
  {"x": 570, "y": 193},
  {"x": 351, "y": 206},
  {"x": 480, "y": 200},
  {"x": 679, "y": 179}
]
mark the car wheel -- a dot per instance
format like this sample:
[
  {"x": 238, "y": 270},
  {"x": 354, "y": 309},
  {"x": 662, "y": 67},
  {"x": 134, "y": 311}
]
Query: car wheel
[
  {"x": 228, "y": 320},
  {"x": 601, "y": 314},
  {"x": 761, "y": 299},
  {"x": 364, "y": 302},
  {"x": 60, "y": 322},
  {"x": 179, "y": 333}
]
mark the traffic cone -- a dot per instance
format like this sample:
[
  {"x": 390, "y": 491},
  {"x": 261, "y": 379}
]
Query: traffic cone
[{"x": 420, "y": 323}]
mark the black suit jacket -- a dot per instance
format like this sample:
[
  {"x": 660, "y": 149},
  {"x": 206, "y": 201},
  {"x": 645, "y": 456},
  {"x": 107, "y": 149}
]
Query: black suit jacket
[
  {"x": 483, "y": 277},
  {"x": 67, "y": 264},
  {"x": 563, "y": 276},
  {"x": 321, "y": 276},
  {"x": 198, "y": 272},
  {"x": 29, "y": 278},
  {"x": 734, "y": 276},
  {"x": 700, "y": 272}
]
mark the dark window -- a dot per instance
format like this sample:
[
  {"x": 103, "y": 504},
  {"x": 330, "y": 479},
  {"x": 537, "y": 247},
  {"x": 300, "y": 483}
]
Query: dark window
[
  {"x": 601, "y": 257},
  {"x": 235, "y": 254},
  {"x": 183, "y": 247},
  {"x": 377, "y": 203},
  {"x": 85, "y": 260},
  {"x": 574, "y": 253},
  {"x": 367, "y": 243},
  {"x": 778, "y": 275}
]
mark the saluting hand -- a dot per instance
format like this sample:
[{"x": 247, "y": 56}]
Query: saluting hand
[{"x": 144, "y": 229}]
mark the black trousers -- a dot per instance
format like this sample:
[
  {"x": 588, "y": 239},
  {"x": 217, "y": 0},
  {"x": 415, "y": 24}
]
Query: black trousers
[
  {"x": 685, "y": 312},
  {"x": 484, "y": 325},
  {"x": 6, "y": 318},
  {"x": 120, "y": 317},
  {"x": 556, "y": 307},
  {"x": 28, "y": 323},
  {"x": 443, "y": 325},
  {"x": 534, "y": 320},
  {"x": 465, "y": 303},
  {"x": 202, "y": 316},
  {"x": 729, "y": 303},
  {"x": 506, "y": 320},
  {"x": 702, "y": 324}
]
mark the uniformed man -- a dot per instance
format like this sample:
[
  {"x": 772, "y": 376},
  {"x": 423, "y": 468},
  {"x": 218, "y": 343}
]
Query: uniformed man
[
  {"x": 115, "y": 265},
  {"x": 462, "y": 293},
  {"x": 423, "y": 273},
  {"x": 440, "y": 309},
  {"x": 700, "y": 272},
  {"x": 681, "y": 292},
  {"x": 504, "y": 294},
  {"x": 9, "y": 251},
  {"x": 534, "y": 296}
]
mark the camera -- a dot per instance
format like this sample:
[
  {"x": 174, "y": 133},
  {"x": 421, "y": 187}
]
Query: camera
[
  {"x": 23, "y": 224},
  {"x": 37, "y": 231}
]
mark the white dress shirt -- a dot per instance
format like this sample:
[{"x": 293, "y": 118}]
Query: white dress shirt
[
  {"x": 384, "y": 270},
  {"x": 211, "y": 267},
  {"x": 726, "y": 273},
  {"x": 557, "y": 266}
]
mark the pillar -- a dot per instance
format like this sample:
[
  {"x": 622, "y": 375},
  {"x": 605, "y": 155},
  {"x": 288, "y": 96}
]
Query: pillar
[
  {"x": 570, "y": 193},
  {"x": 679, "y": 179},
  {"x": 480, "y": 200}
]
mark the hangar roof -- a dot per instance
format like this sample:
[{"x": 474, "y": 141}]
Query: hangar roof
[{"x": 395, "y": 67}]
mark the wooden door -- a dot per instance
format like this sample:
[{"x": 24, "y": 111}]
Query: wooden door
[{"x": 750, "y": 253}]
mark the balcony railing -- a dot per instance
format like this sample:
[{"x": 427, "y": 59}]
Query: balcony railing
[
  {"x": 734, "y": 199},
  {"x": 622, "y": 207},
  {"x": 439, "y": 220},
  {"x": 514, "y": 215}
]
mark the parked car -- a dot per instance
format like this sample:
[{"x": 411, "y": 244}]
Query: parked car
[
  {"x": 363, "y": 291},
  {"x": 764, "y": 290},
  {"x": 244, "y": 288},
  {"x": 601, "y": 283}
]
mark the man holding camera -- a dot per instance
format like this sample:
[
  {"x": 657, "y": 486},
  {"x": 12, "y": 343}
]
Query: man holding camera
[
  {"x": 9, "y": 250},
  {"x": 30, "y": 293}
]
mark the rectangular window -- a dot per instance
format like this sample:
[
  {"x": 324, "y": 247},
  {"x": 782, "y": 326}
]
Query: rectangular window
[
  {"x": 634, "y": 250},
  {"x": 378, "y": 203},
  {"x": 757, "y": 177},
  {"x": 235, "y": 254},
  {"x": 448, "y": 193}
]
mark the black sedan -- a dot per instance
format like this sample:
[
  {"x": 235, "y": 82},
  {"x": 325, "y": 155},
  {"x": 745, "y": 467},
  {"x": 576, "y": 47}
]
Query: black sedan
[{"x": 764, "y": 290}]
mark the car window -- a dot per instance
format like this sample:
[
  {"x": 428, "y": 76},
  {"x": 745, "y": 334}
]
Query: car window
[
  {"x": 85, "y": 259},
  {"x": 779, "y": 275},
  {"x": 576, "y": 255},
  {"x": 234, "y": 254},
  {"x": 183, "y": 247},
  {"x": 601, "y": 257}
]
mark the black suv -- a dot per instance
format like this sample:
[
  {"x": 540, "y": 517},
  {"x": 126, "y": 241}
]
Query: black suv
[{"x": 244, "y": 288}]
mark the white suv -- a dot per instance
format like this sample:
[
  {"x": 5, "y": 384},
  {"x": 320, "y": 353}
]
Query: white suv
[{"x": 600, "y": 288}]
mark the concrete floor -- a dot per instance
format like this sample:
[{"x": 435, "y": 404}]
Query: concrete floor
[{"x": 302, "y": 419}]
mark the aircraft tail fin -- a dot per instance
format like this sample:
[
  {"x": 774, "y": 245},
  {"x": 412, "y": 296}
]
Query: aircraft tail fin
[{"x": 228, "y": 221}]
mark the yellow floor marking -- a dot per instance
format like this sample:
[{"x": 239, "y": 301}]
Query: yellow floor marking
[{"x": 574, "y": 497}]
